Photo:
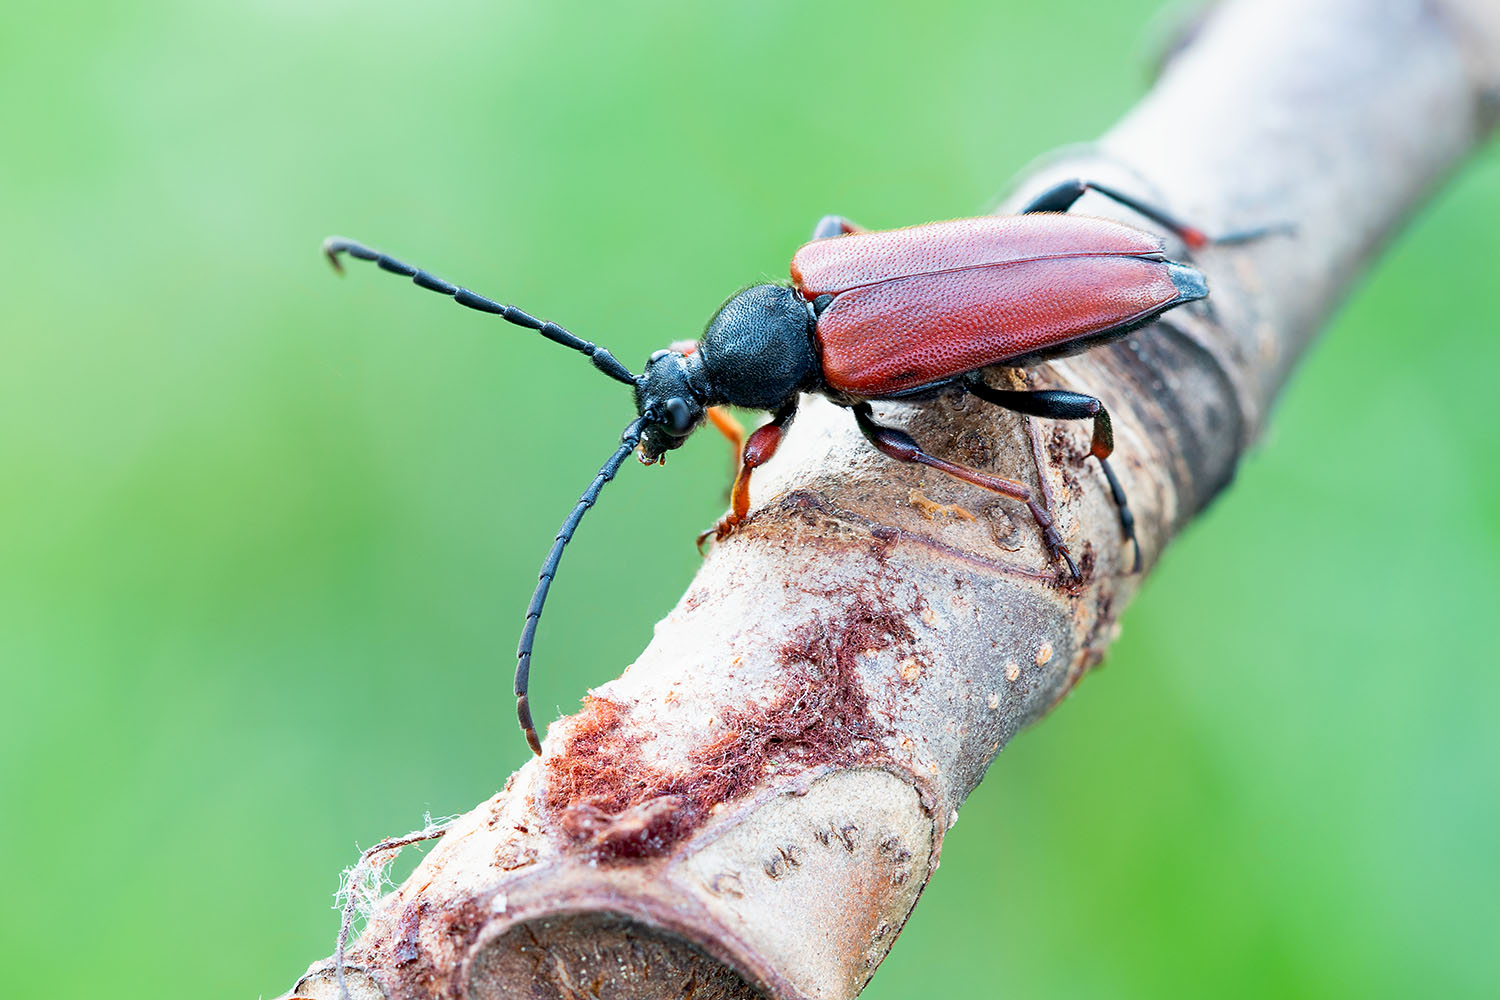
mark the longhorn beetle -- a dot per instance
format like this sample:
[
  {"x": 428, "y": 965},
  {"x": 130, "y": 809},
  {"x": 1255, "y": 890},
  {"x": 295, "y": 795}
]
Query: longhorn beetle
[{"x": 897, "y": 315}]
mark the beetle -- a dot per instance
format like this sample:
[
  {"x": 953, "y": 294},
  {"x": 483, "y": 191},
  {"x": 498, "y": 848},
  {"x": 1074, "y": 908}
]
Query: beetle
[{"x": 902, "y": 314}]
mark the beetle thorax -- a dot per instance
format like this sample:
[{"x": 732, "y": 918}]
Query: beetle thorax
[{"x": 758, "y": 349}]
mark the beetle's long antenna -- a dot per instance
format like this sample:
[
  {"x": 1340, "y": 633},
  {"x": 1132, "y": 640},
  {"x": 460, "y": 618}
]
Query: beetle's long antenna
[
  {"x": 628, "y": 441},
  {"x": 602, "y": 359}
]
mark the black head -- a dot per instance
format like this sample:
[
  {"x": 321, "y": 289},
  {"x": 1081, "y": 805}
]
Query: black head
[{"x": 671, "y": 396}]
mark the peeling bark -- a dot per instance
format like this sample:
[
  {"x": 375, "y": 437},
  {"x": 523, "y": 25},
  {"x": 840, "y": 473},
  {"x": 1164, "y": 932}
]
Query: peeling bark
[{"x": 754, "y": 806}]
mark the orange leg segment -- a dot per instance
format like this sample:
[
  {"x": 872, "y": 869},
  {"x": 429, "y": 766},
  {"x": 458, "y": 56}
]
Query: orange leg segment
[
  {"x": 726, "y": 425},
  {"x": 761, "y": 445}
]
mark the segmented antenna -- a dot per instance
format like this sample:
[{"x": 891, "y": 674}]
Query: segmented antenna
[
  {"x": 602, "y": 359},
  {"x": 628, "y": 441}
]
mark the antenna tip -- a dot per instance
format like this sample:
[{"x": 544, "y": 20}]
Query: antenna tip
[
  {"x": 523, "y": 712},
  {"x": 332, "y": 247}
]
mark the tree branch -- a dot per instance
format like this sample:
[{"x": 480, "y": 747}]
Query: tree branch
[{"x": 754, "y": 806}]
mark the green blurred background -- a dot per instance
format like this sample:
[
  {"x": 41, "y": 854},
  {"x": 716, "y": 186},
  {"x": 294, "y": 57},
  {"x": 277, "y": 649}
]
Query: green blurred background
[{"x": 266, "y": 535}]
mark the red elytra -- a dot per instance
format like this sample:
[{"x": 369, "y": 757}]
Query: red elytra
[{"x": 914, "y": 306}]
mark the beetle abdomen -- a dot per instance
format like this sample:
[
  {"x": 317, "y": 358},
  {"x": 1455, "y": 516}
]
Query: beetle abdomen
[{"x": 918, "y": 306}]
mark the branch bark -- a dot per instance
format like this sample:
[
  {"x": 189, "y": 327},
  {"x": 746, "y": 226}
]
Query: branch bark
[{"x": 753, "y": 807}]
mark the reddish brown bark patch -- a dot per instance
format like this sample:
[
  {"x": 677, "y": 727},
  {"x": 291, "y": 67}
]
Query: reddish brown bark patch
[
  {"x": 608, "y": 801},
  {"x": 420, "y": 955}
]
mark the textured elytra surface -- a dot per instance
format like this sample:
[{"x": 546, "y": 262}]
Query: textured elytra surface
[
  {"x": 897, "y": 335},
  {"x": 919, "y": 305},
  {"x": 845, "y": 262}
]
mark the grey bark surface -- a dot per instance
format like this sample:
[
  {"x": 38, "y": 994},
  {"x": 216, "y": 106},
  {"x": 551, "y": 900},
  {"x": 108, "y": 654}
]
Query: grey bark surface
[{"x": 753, "y": 807}]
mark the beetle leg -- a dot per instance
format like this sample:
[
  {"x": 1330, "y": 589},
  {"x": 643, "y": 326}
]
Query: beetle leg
[
  {"x": 834, "y": 225},
  {"x": 1060, "y": 198},
  {"x": 1059, "y": 404},
  {"x": 762, "y": 444},
  {"x": 902, "y": 447}
]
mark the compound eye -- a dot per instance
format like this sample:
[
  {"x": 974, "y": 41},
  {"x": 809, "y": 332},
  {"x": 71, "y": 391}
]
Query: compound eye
[{"x": 679, "y": 416}]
